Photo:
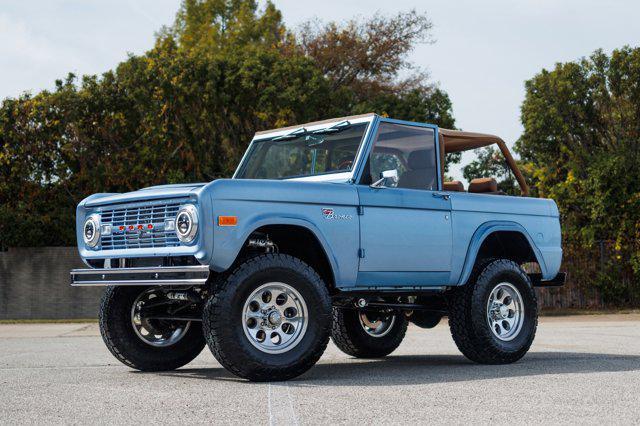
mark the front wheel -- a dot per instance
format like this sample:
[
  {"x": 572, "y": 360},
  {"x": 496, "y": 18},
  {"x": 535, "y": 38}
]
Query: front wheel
[
  {"x": 269, "y": 319},
  {"x": 493, "y": 318},
  {"x": 143, "y": 343},
  {"x": 367, "y": 334}
]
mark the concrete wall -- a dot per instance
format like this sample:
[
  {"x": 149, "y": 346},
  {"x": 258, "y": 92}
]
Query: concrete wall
[{"x": 34, "y": 284}]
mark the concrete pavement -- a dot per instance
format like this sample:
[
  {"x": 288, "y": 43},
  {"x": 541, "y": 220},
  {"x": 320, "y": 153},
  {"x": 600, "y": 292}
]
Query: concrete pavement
[{"x": 580, "y": 370}]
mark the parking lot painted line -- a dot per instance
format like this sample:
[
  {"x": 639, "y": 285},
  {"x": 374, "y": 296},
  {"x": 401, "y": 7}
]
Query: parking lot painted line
[{"x": 281, "y": 408}]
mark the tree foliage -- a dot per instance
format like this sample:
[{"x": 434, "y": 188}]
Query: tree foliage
[
  {"x": 581, "y": 144},
  {"x": 491, "y": 163},
  {"x": 186, "y": 110}
]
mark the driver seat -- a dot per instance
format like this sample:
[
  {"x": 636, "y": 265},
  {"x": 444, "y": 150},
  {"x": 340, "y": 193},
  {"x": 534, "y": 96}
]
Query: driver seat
[{"x": 420, "y": 175}]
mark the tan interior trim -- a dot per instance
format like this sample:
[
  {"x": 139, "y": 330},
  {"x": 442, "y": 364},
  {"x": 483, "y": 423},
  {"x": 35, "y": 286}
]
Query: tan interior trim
[{"x": 457, "y": 141}]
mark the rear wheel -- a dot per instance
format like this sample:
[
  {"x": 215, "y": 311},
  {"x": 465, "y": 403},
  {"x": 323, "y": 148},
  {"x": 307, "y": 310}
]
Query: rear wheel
[
  {"x": 493, "y": 318},
  {"x": 142, "y": 343},
  {"x": 367, "y": 334}
]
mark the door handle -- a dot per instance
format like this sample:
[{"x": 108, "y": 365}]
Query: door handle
[{"x": 441, "y": 195}]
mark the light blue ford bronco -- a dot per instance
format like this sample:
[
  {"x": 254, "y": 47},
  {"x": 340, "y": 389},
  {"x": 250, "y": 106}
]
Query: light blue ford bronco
[{"x": 343, "y": 228}]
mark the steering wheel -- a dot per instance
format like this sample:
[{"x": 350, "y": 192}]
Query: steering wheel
[{"x": 344, "y": 164}]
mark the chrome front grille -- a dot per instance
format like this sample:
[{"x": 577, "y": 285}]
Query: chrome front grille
[{"x": 140, "y": 226}]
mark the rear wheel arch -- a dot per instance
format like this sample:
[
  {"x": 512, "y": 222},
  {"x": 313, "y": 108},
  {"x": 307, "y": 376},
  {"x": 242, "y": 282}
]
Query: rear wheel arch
[{"x": 500, "y": 241}]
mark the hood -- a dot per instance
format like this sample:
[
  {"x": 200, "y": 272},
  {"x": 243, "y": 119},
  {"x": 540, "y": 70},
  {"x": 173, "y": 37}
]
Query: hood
[{"x": 150, "y": 193}]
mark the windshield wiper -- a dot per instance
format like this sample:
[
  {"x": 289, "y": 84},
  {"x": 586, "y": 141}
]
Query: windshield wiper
[
  {"x": 292, "y": 135},
  {"x": 335, "y": 128},
  {"x": 338, "y": 127}
]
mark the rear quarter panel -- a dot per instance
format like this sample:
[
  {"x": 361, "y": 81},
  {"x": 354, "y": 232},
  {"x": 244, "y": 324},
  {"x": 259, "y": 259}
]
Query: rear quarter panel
[{"x": 474, "y": 216}]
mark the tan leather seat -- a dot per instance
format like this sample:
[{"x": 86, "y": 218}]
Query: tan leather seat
[
  {"x": 483, "y": 185},
  {"x": 454, "y": 186}
]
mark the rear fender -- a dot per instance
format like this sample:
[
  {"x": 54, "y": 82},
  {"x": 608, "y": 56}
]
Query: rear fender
[{"x": 482, "y": 233}]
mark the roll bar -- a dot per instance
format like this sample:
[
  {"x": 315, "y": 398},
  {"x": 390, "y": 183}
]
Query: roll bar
[{"x": 458, "y": 141}]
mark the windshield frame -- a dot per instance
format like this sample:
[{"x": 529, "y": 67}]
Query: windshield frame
[{"x": 333, "y": 175}]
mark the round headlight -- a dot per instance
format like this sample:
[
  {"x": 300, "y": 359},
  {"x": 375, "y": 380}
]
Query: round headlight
[
  {"x": 187, "y": 223},
  {"x": 91, "y": 230}
]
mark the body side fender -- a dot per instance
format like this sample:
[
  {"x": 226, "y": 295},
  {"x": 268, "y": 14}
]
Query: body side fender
[
  {"x": 482, "y": 233},
  {"x": 224, "y": 256}
]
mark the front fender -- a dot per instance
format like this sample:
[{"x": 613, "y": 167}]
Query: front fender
[
  {"x": 229, "y": 241},
  {"x": 483, "y": 232}
]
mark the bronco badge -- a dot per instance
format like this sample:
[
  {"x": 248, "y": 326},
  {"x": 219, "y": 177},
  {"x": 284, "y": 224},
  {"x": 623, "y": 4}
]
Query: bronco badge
[{"x": 330, "y": 214}]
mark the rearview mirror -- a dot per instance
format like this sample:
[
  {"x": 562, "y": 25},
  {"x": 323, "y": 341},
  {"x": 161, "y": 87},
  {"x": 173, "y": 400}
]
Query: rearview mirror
[{"x": 387, "y": 176}]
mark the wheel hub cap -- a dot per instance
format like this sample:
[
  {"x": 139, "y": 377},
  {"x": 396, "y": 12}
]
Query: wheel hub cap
[
  {"x": 158, "y": 333},
  {"x": 275, "y": 318},
  {"x": 377, "y": 328},
  {"x": 505, "y": 311}
]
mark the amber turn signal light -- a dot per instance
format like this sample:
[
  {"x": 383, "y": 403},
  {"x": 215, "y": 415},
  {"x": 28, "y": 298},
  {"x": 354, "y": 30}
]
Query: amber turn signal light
[{"x": 227, "y": 220}]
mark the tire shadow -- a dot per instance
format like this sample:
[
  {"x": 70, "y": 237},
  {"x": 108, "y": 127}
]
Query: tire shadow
[{"x": 430, "y": 369}]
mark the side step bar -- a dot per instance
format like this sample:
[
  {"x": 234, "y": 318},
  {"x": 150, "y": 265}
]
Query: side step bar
[{"x": 169, "y": 275}]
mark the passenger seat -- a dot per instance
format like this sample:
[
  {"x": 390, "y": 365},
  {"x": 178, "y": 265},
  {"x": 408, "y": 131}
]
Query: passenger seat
[
  {"x": 484, "y": 186},
  {"x": 453, "y": 186}
]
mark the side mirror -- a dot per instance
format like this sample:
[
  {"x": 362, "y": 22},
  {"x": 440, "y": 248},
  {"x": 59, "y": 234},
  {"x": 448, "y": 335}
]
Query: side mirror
[{"x": 390, "y": 176}]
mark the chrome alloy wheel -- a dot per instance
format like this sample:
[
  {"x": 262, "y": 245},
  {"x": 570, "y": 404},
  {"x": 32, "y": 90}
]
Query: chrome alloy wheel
[
  {"x": 158, "y": 333},
  {"x": 505, "y": 311},
  {"x": 379, "y": 327},
  {"x": 275, "y": 318}
]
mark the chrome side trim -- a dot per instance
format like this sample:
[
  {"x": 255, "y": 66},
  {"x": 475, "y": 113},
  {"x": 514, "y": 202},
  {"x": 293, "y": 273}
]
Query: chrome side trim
[{"x": 170, "y": 275}]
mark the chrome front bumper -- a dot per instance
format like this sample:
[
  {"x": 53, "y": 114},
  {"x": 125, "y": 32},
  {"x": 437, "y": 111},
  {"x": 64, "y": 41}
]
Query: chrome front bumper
[{"x": 170, "y": 275}]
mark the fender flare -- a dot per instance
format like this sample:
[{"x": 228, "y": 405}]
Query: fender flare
[
  {"x": 266, "y": 220},
  {"x": 482, "y": 232}
]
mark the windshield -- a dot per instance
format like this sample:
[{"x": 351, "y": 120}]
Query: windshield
[{"x": 304, "y": 153}]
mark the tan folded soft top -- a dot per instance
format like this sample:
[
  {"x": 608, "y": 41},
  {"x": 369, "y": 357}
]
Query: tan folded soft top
[{"x": 458, "y": 141}]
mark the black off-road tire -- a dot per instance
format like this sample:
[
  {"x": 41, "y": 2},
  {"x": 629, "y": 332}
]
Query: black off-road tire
[
  {"x": 351, "y": 338},
  {"x": 123, "y": 342},
  {"x": 468, "y": 318},
  {"x": 223, "y": 313}
]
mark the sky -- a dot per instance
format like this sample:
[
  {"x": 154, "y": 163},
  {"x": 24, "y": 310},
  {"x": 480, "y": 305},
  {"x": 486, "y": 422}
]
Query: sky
[{"x": 483, "y": 54}]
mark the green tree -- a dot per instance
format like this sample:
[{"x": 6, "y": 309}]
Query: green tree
[
  {"x": 581, "y": 143},
  {"x": 186, "y": 110},
  {"x": 491, "y": 163}
]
